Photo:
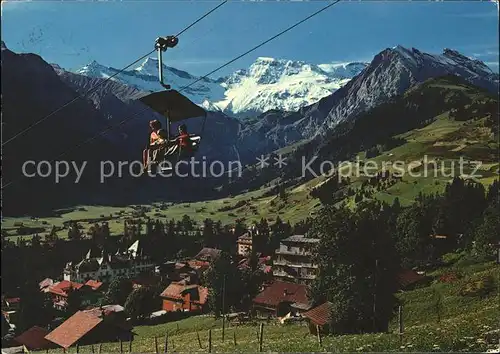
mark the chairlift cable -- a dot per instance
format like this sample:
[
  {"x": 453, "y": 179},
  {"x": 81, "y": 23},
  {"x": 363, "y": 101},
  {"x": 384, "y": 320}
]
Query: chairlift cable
[
  {"x": 92, "y": 89},
  {"x": 201, "y": 18},
  {"x": 197, "y": 80},
  {"x": 261, "y": 44}
]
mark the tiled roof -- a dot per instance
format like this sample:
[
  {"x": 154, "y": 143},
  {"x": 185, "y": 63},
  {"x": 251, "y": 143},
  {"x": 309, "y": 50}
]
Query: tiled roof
[
  {"x": 275, "y": 294},
  {"x": 66, "y": 285},
  {"x": 407, "y": 277},
  {"x": 34, "y": 338},
  {"x": 174, "y": 290},
  {"x": 63, "y": 287},
  {"x": 74, "y": 328},
  {"x": 245, "y": 238},
  {"x": 94, "y": 284},
  {"x": 113, "y": 308},
  {"x": 321, "y": 314},
  {"x": 13, "y": 300},
  {"x": 177, "y": 291},
  {"x": 208, "y": 254},
  {"x": 301, "y": 238},
  {"x": 45, "y": 283}
]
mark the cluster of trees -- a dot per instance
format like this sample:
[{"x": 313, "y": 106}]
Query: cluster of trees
[
  {"x": 465, "y": 214},
  {"x": 361, "y": 250},
  {"x": 232, "y": 288}
]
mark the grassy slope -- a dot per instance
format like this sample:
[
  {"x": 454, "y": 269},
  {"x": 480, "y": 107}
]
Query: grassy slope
[
  {"x": 444, "y": 140},
  {"x": 464, "y": 322}
]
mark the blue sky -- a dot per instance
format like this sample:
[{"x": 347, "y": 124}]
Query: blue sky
[{"x": 73, "y": 33}]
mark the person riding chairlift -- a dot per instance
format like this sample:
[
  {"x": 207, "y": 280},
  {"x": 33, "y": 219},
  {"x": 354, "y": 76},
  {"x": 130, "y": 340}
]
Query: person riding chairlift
[
  {"x": 184, "y": 142},
  {"x": 157, "y": 139}
]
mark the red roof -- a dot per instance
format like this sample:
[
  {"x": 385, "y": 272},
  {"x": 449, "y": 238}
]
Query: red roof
[
  {"x": 177, "y": 291},
  {"x": 34, "y": 338},
  {"x": 198, "y": 265},
  {"x": 45, "y": 283},
  {"x": 280, "y": 291},
  {"x": 94, "y": 284},
  {"x": 321, "y": 314},
  {"x": 63, "y": 287},
  {"x": 74, "y": 328},
  {"x": 407, "y": 277}
]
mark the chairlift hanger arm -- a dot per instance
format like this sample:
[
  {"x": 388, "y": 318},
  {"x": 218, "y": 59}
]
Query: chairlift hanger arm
[{"x": 161, "y": 45}]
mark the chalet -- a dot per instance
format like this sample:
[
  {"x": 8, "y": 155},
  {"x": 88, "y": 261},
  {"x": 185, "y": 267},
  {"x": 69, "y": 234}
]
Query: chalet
[
  {"x": 45, "y": 284},
  {"x": 320, "y": 318},
  {"x": 94, "y": 284},
  {"x": 60, "y": 292},
  {"x": 181, "y": 297},
  {"x": 92, "y": 326},
  {"x": 244, "y": 244},
  {"x": 262, "y": 264},
  {"x": 281, "y": 298},
  {"x": 108, "y": 267},
  {"x": 34, "y": 339},
  {"x": 207, "y": 254}
]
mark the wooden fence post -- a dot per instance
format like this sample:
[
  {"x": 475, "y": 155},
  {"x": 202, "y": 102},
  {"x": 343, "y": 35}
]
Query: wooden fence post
[
  {"x": 121, "y": 346},
  {"x": 400, "y": 321},
  {"x": 99, "y": 348},
  {"x": 177, "y": 327},
  {"x": 92, "y": 348},
  {"x": 199, "y": 340},
  {"x": 77, "y": 348},
  {"x": 130, "y": 345},
  {"x": 209, "y": 340},
  {"x": 166, "y": 342},
  {"x": 156, "y": 345},
  {"x": 318, "y": 333},
  {"x": 261, "y": 332},
  {"x": 234, "y": 337}
]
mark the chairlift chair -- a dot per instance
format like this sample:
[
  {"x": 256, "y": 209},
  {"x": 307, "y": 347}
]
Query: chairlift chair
[{"x": 174, "y": 106}]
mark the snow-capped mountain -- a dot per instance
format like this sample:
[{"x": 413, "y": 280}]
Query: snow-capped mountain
[
  {"x": 285, "y": 85},
  {"x": 145, "y": 78},
  {"x": 391, "y": 73},
  {"x": 267, "y": 84}
]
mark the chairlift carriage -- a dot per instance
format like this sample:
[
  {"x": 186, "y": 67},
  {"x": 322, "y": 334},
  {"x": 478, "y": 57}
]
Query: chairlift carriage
[{"x": 174, "y": 106}]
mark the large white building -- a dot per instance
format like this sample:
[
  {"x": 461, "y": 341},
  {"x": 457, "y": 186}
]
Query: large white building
[
  {"x": 107, "y": 267},
  {"x": 293, "y": 260}
]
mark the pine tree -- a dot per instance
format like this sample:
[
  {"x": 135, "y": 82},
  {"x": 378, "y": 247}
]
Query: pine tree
[{"x": 357, "y": 267}]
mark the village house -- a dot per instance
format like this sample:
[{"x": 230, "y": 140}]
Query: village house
[
  {"x": 320, "y": 318},
  {"x": 281, "y": 298},
  {"x": 244, "y": 244},
  {"x": 45, "y": 284},
  {"x": 293, "y": 260},
  {"x": 182, "y": 297},
  {"x": 34, "y": 339},
  {"x": 108, "y": 267},
  {"x": 107, "y": 323},
  {"x": 207, "y": 254},
  {"x": 60, "y": 292},
  {"x": 95, "y": 285}
]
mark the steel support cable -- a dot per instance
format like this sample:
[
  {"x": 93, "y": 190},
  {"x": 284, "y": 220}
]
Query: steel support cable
[
  {"x": 197, "y": 80},
  {"x": 94, "y": 88}
]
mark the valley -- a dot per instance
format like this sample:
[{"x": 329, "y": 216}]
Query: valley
[{"x": 365, "y": 217}]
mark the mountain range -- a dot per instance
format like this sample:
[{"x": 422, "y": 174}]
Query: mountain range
[
  {"x": 267, "y": 84},
  {"x": 274, "y": 95}
]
